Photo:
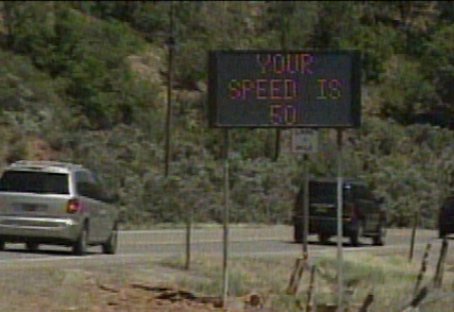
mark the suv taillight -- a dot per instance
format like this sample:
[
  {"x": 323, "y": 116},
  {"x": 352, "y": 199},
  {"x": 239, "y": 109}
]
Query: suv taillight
[
  {"x": 350, "y": 211},
  {"x": 383, "y": 215},
  {"x": 73, "y": 206}
]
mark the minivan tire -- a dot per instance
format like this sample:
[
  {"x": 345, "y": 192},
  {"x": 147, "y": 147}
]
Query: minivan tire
[
  {"x": 80, "y": 246},
  {"x": 110, "y": 246}
]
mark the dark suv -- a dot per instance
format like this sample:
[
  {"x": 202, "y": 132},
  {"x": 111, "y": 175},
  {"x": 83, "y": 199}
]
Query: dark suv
[
  {"x": 446, "y": 217},
  {"x": 363, "y": 214}
]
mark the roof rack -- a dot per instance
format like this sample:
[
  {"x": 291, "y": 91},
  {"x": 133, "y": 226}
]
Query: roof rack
[{"x": 45, "y": 163}]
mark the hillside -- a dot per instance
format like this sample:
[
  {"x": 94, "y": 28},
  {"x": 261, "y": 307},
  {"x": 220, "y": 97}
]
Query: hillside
[{"x": 86, "y": 82}]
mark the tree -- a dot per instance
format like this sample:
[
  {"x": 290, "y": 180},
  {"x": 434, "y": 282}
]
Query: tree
[
  {"x": 405, "y": 92},
  {"x": 30, "y": 29},
  {"x": 287, "y": 25},
  {"x": 439, "y": 64}
]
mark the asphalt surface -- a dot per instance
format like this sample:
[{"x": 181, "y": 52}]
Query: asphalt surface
[{"x": 273, "y": 241}]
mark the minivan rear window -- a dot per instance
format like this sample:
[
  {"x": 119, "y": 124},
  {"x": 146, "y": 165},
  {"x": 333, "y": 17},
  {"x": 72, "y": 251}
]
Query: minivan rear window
[{"x": 34, "y": 182}]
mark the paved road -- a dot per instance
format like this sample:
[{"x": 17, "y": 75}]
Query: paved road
[{"x": 136, "y": 246}]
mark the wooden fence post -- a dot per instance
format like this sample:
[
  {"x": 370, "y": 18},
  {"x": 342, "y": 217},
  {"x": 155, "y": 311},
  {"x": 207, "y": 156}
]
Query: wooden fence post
[
  {"x": 413, "y": 235},
  {"x": 438, "y": 278},
  {"x": 310, "y": 290},
  {"x": 417, "y": 300},
  {"x": 296, "y": 276},
  {"x": 367, "y": 302},
  {"x": 423, "y": 269}
]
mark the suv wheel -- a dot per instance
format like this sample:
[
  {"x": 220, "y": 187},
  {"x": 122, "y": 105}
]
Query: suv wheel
[
  {"x": 31, "y": 246},
  {"x": 110, "y": 246},
  {"x": 298, "y": 234},
  {"x": 379, "y": 240},
  {"x": 441, "y": 234},
  {"x": 80, "y": 246},
  {"x": 354, "y": 237},
  {"x": 323, "y": 238}
]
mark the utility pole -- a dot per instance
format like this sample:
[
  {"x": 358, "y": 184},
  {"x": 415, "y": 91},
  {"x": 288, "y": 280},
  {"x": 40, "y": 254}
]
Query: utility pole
[
  {"x": 285, "y": 26},
  {"x": 171, "y": 46}
]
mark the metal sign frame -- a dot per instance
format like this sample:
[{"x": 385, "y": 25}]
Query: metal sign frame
[{"x": 352, "y": 108}]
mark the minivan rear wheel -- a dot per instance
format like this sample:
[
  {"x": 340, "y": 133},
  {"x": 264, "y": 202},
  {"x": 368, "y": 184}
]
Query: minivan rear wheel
[
  {"x": 110, "y": 246},
  {"x": 80, "y": 246}
]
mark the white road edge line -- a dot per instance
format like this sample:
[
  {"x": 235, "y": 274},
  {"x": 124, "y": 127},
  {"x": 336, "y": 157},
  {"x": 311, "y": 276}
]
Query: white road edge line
[
  {"x": 178, "y": 242},
  {"x": 161, "y": 255}
]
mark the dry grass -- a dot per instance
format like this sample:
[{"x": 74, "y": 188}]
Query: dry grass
[
  {"x": 390, "y": 278},
  {"x": 77, "y": 288}
]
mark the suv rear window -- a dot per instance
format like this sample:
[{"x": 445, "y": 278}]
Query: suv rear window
[
  {"x": 448, "y": 206},
  {"x": 34, "y": 182},
  {"x": 326, "y": 192},
  {"x": 449, "y": 202}
]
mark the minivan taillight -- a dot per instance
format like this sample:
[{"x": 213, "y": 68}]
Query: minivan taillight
[{"x": 73, "y": 206}]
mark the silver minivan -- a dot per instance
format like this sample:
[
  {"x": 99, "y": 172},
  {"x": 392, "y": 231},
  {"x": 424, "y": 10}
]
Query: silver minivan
[{"x": 47, "y": 202}]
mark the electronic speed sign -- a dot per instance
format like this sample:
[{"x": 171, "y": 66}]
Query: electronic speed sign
[{"x": 277, "y": 89}]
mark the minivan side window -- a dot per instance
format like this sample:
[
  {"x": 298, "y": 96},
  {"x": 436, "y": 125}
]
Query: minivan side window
[
  {"x": 85, "y": 185},
  {"x": 97, "y": 188}
]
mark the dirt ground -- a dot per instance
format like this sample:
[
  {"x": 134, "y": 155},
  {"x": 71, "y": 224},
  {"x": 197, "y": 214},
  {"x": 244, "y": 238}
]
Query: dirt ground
[
  {"x": 94, "y": 289},
  {"x": 139, "y": 297}
]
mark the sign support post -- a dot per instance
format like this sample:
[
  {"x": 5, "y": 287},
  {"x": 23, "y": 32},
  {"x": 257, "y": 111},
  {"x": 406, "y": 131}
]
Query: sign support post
[
  {"x": 340, "y": 260},
  {"x": 305, "y": 207},
  {"x": 225, "y": 271},
  {"x": 303, "y": 142}
]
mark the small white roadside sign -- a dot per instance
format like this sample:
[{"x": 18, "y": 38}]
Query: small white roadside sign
[{"x": 304, "y": 141}]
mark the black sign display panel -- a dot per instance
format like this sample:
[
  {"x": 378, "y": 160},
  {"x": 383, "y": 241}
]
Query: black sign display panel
[{"x": 284, "y": 89}]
